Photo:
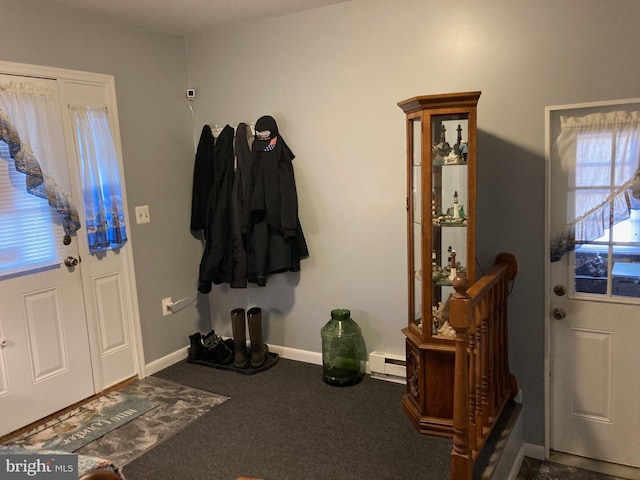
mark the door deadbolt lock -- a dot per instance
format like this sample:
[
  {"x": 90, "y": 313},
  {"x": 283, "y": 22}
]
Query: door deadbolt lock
[
  {"x": 559, "y": 313},
  {"x": 71, "y": 261}
]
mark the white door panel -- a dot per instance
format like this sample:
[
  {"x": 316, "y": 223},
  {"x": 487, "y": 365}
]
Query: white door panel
[
  {"x": 115, "y": 340},
  {"x": 595, "y": 384},
  {"x": 46, "y": 362},
  {"x": 109, "y": 304},
  {"x": 594, "y": 380}
]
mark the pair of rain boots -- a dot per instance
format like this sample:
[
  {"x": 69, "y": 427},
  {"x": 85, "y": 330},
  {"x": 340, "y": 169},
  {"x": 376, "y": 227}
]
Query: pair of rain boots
[{"x": 255, "y": 356}]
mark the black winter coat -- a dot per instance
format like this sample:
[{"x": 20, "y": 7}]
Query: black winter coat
[
  {"x": 276, "y": 242},
  {"x": 217, "y": 254},
  {"x": 240, "y": 205},
  {"x": 202, "y": 179}
]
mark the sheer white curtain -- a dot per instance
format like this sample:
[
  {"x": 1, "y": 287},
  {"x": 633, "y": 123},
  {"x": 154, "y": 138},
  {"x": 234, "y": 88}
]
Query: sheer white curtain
[
  {"x": 597, "y": 159},
  {"x": 100, "y": 178},
  {"x": 29, "y": 120}
]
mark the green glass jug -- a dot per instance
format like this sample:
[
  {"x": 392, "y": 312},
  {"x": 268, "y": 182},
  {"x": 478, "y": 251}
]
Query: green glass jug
[{"x": 342, "y": 347}]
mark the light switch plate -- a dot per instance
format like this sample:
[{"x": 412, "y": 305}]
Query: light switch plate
[{"x": 142, "y": 214}]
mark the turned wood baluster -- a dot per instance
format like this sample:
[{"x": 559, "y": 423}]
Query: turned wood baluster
[
  {"x": 501, "y": 317},
  {"x": 480, "y": 369},
  {"x": 492, "y": 324},
  {"x": 476, "y": 374},
  {"x": 471, "y": 380},
  {"x": 461, "y": 454}
]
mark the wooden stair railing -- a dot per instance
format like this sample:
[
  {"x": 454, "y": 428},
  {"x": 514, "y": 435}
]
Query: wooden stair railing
[{"x": 483, "y": 383}]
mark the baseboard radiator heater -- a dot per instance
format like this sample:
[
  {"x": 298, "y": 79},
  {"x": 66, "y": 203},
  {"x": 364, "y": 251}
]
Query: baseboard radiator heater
[{"x": 391, "y": 368}]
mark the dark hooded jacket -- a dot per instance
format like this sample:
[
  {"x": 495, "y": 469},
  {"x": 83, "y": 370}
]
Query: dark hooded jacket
[
  {"x": 276, "y": 242},
  {"x": 218, "y": 214},
  {"x": 240, "y": 206},
  {"x": 202, "y": 179}
]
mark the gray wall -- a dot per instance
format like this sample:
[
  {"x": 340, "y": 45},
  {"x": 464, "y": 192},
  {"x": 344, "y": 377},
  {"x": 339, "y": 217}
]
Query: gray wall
[
  {"x": 155, "y": 123},
  {"x": 332, "y": 78}
]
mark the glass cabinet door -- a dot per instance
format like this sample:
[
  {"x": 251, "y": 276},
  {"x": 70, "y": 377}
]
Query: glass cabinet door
[
  {"x": 415, "y": 206},
  {"x": 449, "y": 157},
  {"x": 441, "y": 148}
]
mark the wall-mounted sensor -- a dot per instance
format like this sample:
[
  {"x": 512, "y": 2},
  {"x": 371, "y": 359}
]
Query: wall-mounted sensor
[{"x": 191, "y": 93}]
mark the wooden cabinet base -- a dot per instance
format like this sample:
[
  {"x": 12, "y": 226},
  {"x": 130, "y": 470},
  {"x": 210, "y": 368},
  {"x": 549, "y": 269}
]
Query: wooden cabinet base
[{"x": 440, "y": 427}]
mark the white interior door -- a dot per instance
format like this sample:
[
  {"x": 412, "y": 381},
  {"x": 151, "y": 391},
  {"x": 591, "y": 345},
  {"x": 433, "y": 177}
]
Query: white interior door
[
  {"x": 107, "y": 275},
  {"x": 594, "y": 324},
  {"x": 45, "y": 361},
  {"x": 68, "y": 332}
]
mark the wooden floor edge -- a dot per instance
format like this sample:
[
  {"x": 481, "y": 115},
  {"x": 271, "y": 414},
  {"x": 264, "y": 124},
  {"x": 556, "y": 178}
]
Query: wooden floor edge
[{"x": 42, "y": 421}]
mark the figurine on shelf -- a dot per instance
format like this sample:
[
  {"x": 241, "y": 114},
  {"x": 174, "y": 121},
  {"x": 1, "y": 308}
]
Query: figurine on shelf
[
  {"x": 446, "y": 330},
  {"x": 435, "y": 323},
  {"x": 443, "y": 276},
  {"x": 458, "y": 154},
  {"x": 433, "y": 204},
  {"x": 440, "y": 324},
  {"x": 454, "y": 216},
  {"x": 456, "y": 209},
  {"x": 452, "y": 264},
  {"x": 464, "y": 150},
  {"x": 442, "y": 149}
]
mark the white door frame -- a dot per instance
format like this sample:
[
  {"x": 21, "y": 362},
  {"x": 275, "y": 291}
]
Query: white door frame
[
  {"x": 547, "y": 256},
  {"x": 128, "y": 270}
]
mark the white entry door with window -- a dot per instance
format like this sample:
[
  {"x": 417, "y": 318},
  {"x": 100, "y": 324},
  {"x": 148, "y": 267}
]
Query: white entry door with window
[
  {"x": 68, "y": 323},
  {"x": 593, "y": 280}
]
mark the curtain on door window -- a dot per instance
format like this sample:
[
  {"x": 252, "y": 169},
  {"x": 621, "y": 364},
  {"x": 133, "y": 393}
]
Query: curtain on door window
[
  {"x": 100, "y": 178},
  {"x": 29, "y": 119},
  {"x": 35, "y": 207},
  {"x": 599, "y": 167}
]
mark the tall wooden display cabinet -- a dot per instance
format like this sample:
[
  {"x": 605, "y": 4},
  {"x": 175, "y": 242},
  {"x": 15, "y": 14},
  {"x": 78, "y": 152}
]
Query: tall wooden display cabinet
[{"x": 441, "y": 208}]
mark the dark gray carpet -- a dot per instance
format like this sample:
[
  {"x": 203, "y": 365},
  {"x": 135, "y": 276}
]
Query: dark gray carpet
[{"x": 286, "y": 423}]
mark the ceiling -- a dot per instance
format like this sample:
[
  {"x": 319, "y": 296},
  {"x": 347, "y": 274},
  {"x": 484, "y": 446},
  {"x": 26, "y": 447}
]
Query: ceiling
[{"x": 184, "y": 17}]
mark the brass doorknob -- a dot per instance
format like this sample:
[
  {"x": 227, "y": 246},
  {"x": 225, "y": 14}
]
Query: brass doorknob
[
  {"x": 559, "y": 313},
  {"x": 559, "y": 290},
  {"x": 71, "y": 261}
]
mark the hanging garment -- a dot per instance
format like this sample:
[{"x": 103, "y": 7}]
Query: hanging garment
[
  {"x": 217, "y": 252},
  {"x": 240, "y": 205},
  {"x": 276, "y": 242},
  {"x": 202, "y": 179}
]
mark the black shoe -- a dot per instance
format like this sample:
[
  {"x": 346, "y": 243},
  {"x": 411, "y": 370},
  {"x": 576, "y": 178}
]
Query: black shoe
[
  {"x": 216, "y": 350},
  {"x": 195, "y": 348}
]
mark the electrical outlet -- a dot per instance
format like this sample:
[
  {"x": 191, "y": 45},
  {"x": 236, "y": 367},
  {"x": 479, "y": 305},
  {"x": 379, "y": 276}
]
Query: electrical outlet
[
  {"x": 167, "y": 303},
  {"x": 142, "y": 214}
]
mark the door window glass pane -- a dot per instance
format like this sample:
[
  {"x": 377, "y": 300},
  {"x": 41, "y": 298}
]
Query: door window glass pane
[
  {"x": 600, "y": 170},
  {"x": 30, "y": 231}
]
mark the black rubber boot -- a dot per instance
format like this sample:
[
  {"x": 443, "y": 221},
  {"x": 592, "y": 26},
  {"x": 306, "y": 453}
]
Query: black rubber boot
[
  {"x": 195, "y": 348},
  {"x": 259, "y": 350},
  {"x": 238, "y": 326}
]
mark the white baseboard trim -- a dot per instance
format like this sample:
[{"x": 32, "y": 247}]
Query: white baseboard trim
[
  {"x": 526, "y": 450},
  {"x": 298, "y": 355},
  {"x": 284, "y": 352},
  {"x": 517, "y": 463},
  {"x": 166, "y": 361},
  {"x": 532, "y": 450}
]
